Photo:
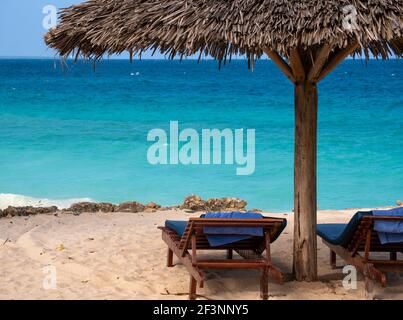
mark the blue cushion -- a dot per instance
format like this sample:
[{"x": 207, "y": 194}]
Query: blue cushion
[
  {"x": 178, "y": 226},
  {"x": 331, "y": 232},
  {"x": 389, "y": 231},
  {"x": 340, "y": 234}
]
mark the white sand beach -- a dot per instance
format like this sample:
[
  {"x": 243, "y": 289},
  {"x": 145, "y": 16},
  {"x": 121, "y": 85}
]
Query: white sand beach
[{"x": 122, "y": 256}]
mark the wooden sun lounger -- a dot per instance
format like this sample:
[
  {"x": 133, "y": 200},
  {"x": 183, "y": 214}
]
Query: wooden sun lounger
[
  {"x": 187, "y": 246},
  {"x": 365, "y": 240}
]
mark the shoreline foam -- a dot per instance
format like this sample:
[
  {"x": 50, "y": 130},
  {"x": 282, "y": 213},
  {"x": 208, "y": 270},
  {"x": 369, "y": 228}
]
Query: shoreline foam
[{"x": 17, "y": 200}]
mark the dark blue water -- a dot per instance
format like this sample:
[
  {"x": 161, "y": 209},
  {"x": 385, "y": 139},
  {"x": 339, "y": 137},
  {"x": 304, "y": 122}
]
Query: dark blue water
[{"x": 79, "y": 133}]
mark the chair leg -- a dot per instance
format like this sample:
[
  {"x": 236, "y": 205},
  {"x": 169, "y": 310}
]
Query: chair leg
[
  {"x": 368, "y": 288},
  {"x": 393, "y": 256},
  {"x": 373, "y": 273},
  {"x": 229, "y": 254},
  {"x": 170, "y": 257},
  {"x": 333, "y": 259},
  {"x": 192, "y": 288},
  {"x": 264, "y": 284},
  {"x": 276, "y": 275}
]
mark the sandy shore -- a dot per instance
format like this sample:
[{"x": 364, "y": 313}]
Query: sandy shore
[{"x": 122, "y": 256}]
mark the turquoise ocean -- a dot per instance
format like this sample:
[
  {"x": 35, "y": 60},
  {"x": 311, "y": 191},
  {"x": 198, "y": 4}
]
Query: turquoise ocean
[{"x": 68, "y": 133}]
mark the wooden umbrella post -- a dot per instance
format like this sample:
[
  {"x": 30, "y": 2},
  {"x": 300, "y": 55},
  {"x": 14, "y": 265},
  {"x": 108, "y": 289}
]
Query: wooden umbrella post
[
  {"x": 306, "y": 108},
  {"x": 305, "y": 68}
]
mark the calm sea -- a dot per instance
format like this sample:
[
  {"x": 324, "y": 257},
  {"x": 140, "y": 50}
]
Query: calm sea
[{"x": 77, "y": 133}]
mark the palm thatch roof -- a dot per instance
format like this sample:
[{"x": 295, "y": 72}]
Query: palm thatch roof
[{"x": 222, "y": 28}]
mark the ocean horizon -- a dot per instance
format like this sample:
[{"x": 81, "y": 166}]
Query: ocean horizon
[{"x": 71, "y": 133}]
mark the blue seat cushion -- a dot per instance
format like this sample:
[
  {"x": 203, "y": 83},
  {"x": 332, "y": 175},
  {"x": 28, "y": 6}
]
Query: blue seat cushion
[
  {"x": 331, "y": 232},
  {"x": 340, "y": 234},
  {"x": 178, "y": 226}
]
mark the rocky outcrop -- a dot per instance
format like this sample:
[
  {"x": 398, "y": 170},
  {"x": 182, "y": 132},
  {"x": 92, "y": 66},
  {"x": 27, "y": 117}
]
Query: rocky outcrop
[
  {"x": 399, "y": 203},
  {"x": 152, "y": 207},
  {"x": 106, "y": 207},
  {"x": 27, "y": 211},
  {"x": 226, "y": 204},
  {"x": 196, "y": 203},
  {"x": 81, "y": 207},
  {"x": 193, "y": 202},
  {"x": 130, "y": 206}
]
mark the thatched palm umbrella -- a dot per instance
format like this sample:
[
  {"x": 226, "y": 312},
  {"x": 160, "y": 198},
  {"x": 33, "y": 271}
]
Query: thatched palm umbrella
[{"x": 305, "y": 39}]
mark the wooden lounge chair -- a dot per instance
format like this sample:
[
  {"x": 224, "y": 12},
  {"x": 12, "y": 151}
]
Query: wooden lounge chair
[
  {"x": 185, "y": 239},
  {"x": 357, "y": 240}
]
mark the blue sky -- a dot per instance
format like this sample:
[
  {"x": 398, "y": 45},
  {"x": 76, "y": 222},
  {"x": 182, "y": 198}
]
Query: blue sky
[{"x": 21, "y": 29}]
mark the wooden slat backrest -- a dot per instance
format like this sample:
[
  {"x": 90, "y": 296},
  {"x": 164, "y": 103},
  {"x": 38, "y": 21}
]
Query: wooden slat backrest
[
  {"x": 357, "y": 242},
  {"x": 186, "y": 236},
  {"x": 196, "y": 225}
]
